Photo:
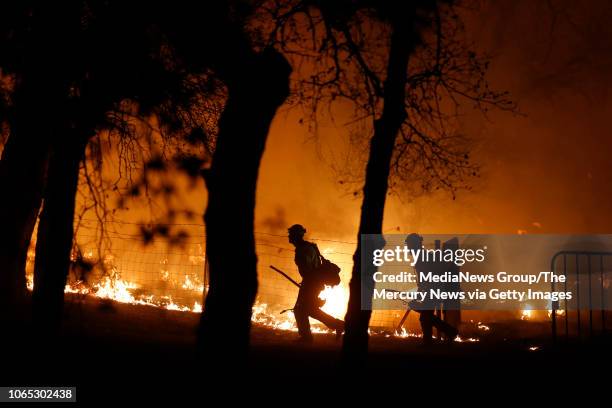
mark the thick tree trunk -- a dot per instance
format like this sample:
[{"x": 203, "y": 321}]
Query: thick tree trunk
[
  {"x": 258, "y": 88},
  {"x": 55, "y": 233},
  {"x": 375, "y": 188},
  {"x": 24, "y": 159},
  {"x": 22, "y": 178}
]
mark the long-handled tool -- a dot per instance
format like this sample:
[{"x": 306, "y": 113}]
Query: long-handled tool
[
  {"x": 285, "y": 275},
  {"x": 401, "y": 323},
  {"x": 274, "y": 268},
  {"x": 408, "y": 309},
  {"x": 290, "y": 279}
]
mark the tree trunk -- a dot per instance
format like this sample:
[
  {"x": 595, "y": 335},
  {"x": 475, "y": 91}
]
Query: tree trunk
[
  {"x": 22, "y": 177},
  {"x": 39, "y": 88},
  {"x": 55, "y": 233},
  {"x": 375, "y": 188},
  {"x": 255, "y": 91}
]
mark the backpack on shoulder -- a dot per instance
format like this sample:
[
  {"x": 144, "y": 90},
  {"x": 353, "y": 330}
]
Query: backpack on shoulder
[{"x": 328, "y": 271}]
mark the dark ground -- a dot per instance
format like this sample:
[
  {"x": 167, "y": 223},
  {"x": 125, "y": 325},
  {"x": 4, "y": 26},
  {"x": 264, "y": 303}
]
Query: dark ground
[{"x": 113, "y": 351}]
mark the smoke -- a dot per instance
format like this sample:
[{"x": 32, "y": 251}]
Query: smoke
[
  {"x": 546, "y": 170},
  {"x": 550, "y": 167},
  {"x": 277, "y": 222}
]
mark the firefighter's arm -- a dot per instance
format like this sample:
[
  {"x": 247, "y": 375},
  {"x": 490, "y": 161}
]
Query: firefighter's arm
[
  {"x": 302, "y": 263},
  {"x": 306, "y": 262}
]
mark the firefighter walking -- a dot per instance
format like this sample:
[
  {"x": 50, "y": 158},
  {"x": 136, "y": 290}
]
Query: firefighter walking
[
  {"x": 308, "y": 304},
  {"x": 427, "y": 317}
]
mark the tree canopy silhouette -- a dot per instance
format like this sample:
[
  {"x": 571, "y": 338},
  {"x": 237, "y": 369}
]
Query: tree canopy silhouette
[{"x": 406, "y": 69}]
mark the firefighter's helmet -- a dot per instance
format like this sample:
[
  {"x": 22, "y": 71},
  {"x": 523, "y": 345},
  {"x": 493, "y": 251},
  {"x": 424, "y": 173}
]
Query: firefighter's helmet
[{"x": 297, "y": 229}]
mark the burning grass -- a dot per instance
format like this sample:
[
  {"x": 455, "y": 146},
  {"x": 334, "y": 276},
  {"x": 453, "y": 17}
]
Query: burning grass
[
  {"x": 189, "y": 290},
  {"x": 122, "y": 291}
]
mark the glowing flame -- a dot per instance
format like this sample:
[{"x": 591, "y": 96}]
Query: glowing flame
[
  {"x": 114, "y": 288},
  {"x": 526, "y": 313},
  {"x": 459, "y": 339},
  {"x": 405, "y": 334},
  {"x": 119, "y": 290},
  {"x": 262, "y": 316},
  {"x": 190, "y": 284},
  {"x": 483, "y": 327},
  {"x": 336, "y": 301},
  {"x": 164, "y": 273},
  {"x": 560, "y": 312}
]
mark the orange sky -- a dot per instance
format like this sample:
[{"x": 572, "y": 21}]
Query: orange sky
[{"x": 547, "y": 170}]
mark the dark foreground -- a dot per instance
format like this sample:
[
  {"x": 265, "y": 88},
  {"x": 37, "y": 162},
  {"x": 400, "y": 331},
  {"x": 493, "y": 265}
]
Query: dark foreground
[{"x": 113, "y": 352}]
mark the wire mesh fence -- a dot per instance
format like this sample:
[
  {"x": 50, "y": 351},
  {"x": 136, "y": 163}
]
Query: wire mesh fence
[{"x": 176, "y": 277}]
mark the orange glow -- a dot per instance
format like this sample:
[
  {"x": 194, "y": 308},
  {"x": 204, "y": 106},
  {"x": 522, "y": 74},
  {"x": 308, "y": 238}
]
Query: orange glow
[{"x": 336, "y": 300}]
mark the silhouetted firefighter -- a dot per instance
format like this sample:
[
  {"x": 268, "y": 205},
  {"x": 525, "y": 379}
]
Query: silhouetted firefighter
[
  {"x": 309, "y": 262},
  {"x": 427, "y": 316}
]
